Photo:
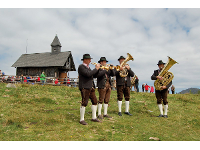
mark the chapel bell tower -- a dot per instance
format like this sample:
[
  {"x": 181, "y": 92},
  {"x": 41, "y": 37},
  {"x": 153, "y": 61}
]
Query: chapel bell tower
[{"x": 55, "y": 46}]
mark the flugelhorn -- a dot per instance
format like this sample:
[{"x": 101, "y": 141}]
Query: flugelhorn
[{"x": 102, "y": 67}]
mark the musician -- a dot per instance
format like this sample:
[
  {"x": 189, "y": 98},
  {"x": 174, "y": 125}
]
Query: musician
[
  {"x": 87, "y": 87},
  {"x": 132, "y": 84},
  {"x": 161, "y": 94},
  {"x": 123, "y": 87},
  {"x": 173, "y": 89},
  {"x": 104, "y": 87}
]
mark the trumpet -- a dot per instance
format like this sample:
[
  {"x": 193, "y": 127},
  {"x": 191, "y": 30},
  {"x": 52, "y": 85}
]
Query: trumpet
[
  {"x": 110, "y": 66},
  {"x": 114, "y": 67},
  {"x": 107, "y": 67}
]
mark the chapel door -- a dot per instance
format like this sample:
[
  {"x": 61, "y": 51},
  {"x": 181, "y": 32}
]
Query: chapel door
[{"x": 62, "y": 75}]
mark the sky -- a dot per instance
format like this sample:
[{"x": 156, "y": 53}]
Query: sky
[{"x": 148, "y": 34}]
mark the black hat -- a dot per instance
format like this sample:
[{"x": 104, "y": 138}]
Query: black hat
[
  {"x": 102, "y": 59},
  {"x": 86, "y": 56},
  {"x": 160, "y": 62},
  {"x": 121, "y": 57}
]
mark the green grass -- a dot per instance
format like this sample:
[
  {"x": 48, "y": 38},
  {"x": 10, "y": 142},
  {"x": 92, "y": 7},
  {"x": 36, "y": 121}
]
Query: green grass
[{"x": 51, "y": 113}]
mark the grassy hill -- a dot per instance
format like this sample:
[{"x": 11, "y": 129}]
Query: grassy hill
[{"x": 51, "y": 113}]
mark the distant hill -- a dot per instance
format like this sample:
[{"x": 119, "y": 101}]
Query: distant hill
[{"x": 192, "y": 90}]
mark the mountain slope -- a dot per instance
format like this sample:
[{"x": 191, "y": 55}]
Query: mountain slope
[{"x": 190, "y": 90}]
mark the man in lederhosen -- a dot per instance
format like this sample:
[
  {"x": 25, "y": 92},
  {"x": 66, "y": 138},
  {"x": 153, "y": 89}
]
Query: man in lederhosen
[
  {"x": 161, "y": 95},
  {"x": 123, "y": 87},
  {"x": 87, "y": 87},
  {"x": 104, "y": 87}
]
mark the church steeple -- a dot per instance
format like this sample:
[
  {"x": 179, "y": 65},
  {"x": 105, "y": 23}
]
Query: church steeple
[{"x": 55, "y": 45}]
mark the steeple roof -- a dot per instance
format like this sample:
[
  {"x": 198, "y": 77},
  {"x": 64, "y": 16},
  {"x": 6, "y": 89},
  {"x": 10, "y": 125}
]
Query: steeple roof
[{"x": 56, "y": 42}]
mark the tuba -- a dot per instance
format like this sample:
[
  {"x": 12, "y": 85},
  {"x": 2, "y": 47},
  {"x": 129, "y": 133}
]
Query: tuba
[
  {"x": 124, "y": 72},
  {"x": 167, "y": 76}
]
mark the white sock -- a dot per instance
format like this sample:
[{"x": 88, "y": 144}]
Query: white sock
[
  {"x": 165, "y": 109},
  {"x": 94, "y": 110},
  {"x": 160, "y": 108},
  {"x": 120, "y": 105},
  {"x": 105, "y": 108},
  {"x": 126, "y": 106},
  {"x": 82, "y": 113},
  {"x": 99, "y": 109}
]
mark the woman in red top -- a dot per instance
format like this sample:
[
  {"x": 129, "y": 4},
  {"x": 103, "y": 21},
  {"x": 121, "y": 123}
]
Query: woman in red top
[
  {"x": 146, "y": 87},
  {"x": 68, "y": 82},
  {"x": 38, "y": 79},
  {"x": 56, "y": 81},
  {"x": 152, "y": 89},
  {"x": 25, "y": 79}
]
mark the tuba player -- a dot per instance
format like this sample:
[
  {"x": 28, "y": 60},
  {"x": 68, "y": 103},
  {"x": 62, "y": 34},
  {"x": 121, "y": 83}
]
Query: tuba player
[{"x": 161, "y": 94}]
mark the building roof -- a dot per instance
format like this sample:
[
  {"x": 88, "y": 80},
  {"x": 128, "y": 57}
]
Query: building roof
[{"x": 44, "y": 60}]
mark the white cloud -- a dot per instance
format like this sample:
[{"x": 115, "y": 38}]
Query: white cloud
[{"x": 147, "y": 34}]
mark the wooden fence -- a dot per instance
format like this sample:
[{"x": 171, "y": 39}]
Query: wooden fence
[
  {"x": 34, "y": 80},
  {"x": 73, "y": 82}
]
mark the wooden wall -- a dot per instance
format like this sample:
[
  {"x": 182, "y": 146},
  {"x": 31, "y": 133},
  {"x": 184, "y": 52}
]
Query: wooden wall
[{"x": 37, "y": 71}]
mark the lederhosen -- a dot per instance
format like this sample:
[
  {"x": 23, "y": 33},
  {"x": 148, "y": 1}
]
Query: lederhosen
[
  {"x": 123, "y": 90},
  {"x": 87, "y": 94},
  {"x": 123, "y": 85},
  {"x": 104, "y": 93}
]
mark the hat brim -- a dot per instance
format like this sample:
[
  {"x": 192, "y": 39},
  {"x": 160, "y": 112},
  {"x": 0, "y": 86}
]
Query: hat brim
[
  {"x": 121, "y": 58},
  {"x": 86, "y": 58},
  {"x": 102, "y": 60},
  {"x": 161, "y": 64}
]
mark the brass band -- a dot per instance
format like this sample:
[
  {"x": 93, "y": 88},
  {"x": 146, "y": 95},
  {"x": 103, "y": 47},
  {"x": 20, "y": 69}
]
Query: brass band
[{"x": 125, "y": 77}]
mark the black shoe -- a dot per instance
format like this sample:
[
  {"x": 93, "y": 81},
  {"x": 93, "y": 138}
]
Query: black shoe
[
  {"x": 119, "y": 113},
  {"x": 95, "y": 120},
  {"x": 165, "y": 116},
  {"x": 107, "y": 116},
  {"x": 160, "y": 115},
  {"x": 83, "y": 122},
  {"x": 100, "y": 117},
  {"x": 128, "y": 113}
]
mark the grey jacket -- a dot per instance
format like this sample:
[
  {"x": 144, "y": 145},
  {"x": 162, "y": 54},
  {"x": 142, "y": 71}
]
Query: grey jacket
[
  {"x": 101, "y": 77},
  {"x": 86, "y": 77}
]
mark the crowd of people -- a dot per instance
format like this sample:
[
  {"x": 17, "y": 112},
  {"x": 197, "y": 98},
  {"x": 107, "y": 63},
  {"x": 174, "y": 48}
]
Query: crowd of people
[
  {"x": 19, "y": 79},
  {"x": 146, "y": 88},
  {"x": 73, "y": 82},
  {"x": 38, "y": 79}
]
